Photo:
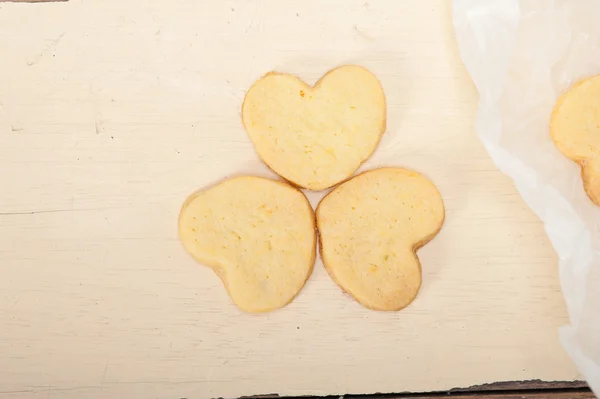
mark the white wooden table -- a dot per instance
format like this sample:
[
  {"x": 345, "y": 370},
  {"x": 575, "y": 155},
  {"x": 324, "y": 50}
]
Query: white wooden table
[{"x": 112, "y": 112}]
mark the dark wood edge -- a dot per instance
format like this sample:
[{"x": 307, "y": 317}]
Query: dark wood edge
[
  {"x": 580, "y": 393},
  {"x": 541, "y": 394},
  {"x": 524, "y": 385},
  {"x": 533, "y": 389}
]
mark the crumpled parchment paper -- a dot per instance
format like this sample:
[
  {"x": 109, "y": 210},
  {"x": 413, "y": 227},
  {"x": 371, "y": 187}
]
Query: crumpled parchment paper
[{"x": 522, "y": 54}]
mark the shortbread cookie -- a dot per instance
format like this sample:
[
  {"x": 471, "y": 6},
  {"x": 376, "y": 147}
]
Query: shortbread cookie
[
  {"x": 370, "y": 228},
  {"x": 575, "y": 129},
  {"x": 315, "y": 136},
  {"x": 257, "y": 234}
]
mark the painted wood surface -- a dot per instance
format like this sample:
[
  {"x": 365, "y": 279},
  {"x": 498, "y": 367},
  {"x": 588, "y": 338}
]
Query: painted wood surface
[{"x": 112, "y": 112}]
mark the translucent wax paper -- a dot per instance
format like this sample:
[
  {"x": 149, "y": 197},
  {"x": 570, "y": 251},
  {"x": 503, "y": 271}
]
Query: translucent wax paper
[{"x": 522, "y": 55}]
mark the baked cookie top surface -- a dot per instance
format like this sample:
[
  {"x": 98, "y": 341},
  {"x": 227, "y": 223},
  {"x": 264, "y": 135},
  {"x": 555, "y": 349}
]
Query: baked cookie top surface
[
  {"x": 257, "y": 234},
  {"x": 370, "y": 228},
  {"x": 316, "y": 136}
]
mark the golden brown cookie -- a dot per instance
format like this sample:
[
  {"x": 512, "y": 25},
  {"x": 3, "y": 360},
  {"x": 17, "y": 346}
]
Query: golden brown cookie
[
  {"x": 257, "y": 234},
  {"x": 370, "y": 228},
  {"x": 315, "y": 136},
  {"x": 575, "y": 129}
]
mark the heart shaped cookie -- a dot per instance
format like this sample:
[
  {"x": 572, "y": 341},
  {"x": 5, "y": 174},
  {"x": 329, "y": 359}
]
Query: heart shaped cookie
[
  {"x": 257, "y": 234},
  {"x": 370, "y": 228},
  {"x": 315, "y": 136},
  {"x": 575, "y": 130}
]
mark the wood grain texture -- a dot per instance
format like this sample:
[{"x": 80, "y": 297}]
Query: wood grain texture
[{"x": 112, "y": 112}]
